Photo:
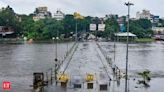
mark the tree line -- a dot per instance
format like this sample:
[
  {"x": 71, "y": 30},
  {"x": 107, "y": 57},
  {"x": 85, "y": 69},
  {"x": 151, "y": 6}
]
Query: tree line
[{"x": 24, "y": 25}]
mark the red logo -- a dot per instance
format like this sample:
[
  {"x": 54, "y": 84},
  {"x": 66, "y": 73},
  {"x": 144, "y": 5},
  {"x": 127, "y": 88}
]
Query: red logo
[{"x": 6, "y": 85}]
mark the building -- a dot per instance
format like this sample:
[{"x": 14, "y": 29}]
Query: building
[
  {"x": 121, "y": 20},
  {"x": 155, "y": 21},
  {"x": 41, "y": 13},
  {"x": 59, "y": 15},
  {"x": 158, "y": 33},
  {"x": 145, "y": 14},
  {"x": 122, "y": 36},
  {"x": 7, "y": 32},
  {"x": 158, "y": 30},
  {"x": 42, "y": 9}
]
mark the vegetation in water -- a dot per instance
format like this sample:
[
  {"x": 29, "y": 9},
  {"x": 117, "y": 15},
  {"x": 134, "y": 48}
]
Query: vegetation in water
[{"x": 145, "y": 78}]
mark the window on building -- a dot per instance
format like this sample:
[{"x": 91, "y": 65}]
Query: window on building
[
  {"x": 63, "y": 84},
  {"x": 77, "y": 85},
  {"x": 90, "y": 86},
  {"x": 103, "y": 87}
]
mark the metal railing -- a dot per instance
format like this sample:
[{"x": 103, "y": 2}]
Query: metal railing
[
  {"x": 116, "y": 70},
  {"x": 49, "y": 76}
]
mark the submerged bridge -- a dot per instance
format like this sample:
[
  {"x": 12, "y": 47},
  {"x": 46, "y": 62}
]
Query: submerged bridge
[{"x": 85, "y": 69}]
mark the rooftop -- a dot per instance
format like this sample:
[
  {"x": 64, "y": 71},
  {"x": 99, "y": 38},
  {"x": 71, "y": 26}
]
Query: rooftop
[{"x": 125, "y": 34}]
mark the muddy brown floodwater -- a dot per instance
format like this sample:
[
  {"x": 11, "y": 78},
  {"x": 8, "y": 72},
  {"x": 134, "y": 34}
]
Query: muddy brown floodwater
[
  {"x": 142, "y": 56},
  {"x": 19, "y": 61}
]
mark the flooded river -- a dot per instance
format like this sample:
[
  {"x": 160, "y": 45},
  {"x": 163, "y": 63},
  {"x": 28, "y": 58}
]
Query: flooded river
[
  {"x": 19, "y": 61},
  {"x": 142, "y": 56}
]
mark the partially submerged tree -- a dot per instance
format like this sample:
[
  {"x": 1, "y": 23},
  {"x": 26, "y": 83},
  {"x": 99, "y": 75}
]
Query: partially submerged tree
[{"x": 146, "y": 78}]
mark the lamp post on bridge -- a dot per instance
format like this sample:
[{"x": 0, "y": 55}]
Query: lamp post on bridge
[
  {"x": 128, "y": 4},
  {"x": 76, "y": 31},
  {"x": 77, "y": 17},
  {"x": 56, "y": 56}
]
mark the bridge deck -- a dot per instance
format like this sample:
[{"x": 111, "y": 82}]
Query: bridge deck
[{"x": 86, "y": 59}]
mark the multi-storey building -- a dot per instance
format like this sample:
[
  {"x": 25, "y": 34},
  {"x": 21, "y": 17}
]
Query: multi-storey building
[
  {"x": 41, "y": 13},
  {"x": 145, "y": 14},
  {"x": 59, "y": 15}
]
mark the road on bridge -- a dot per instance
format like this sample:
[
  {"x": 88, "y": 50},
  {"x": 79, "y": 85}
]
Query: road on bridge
[{"x": 87, "y": 59}]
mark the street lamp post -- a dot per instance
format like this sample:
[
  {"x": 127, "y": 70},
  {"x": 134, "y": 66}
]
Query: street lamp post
[
  {"x": 76, "y": 31},
  {"x": 67, "y": 49},
  {"x": 57, "y": 45},
  {"x": 126, "y": 76},
  {"x": 56, "y": 56},
  {"x": 76, "y": 17},
  {"x": 55, "y": 71}
]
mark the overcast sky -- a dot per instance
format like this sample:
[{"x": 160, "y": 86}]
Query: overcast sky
[{"x": 87, "y": 7}]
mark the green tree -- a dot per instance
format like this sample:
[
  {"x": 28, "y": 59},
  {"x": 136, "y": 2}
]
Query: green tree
[
  {"x": 9, "y": 18},
  {"x": 112, "y": 27},
  {"x": 27, "y": 24},
  {"x": 141, "y": 27},
  {"x": 69, "y": 23}
]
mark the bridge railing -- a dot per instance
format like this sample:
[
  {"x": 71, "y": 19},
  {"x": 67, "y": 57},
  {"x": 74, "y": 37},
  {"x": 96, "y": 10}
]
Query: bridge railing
[{"x": 41, "y": 79}]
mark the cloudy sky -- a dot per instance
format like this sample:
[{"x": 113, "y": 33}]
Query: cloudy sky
[{"x": 86, "y": 7}]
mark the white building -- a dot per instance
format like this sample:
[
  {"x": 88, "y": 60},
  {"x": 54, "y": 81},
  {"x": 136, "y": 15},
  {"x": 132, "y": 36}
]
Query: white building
[
  {"x": 122, "y": 36},
  {"x": 41, "y": 13},
  {"x": 145, "y": 14},
  {"x": 59, "y": 15}
]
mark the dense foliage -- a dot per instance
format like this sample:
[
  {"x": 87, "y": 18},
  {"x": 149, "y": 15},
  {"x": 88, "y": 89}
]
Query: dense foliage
[
  {"x": 9, "y": 18},
  {"x": 142, "y": 28},
  {"x": 50, "y": 27},
  {"x": 112, "y": 27},
  {"x": 43, "y": 29}
]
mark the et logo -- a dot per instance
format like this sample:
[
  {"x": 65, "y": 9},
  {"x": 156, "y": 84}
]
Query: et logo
[{"x": 6, "y": 85}]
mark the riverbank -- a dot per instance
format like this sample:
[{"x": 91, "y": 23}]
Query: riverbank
[
  {"x": 22, "y": 41},
  {"x": 137, "y": 40},
  {"x": 53, "y": 41},
  {"x": 144, "y": 40},
  {"x": 11, "y": 41}
]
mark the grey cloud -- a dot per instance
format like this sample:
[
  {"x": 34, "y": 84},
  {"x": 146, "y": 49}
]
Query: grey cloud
[{"x": 86, "y": 7}]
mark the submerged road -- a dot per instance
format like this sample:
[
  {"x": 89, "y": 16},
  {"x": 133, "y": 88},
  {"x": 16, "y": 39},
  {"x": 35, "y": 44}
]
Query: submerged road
[{"x": 87, "y": 59}]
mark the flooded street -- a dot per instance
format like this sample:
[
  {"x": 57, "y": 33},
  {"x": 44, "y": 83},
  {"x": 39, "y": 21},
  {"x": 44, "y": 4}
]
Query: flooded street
[{"x": 19, "y": 61}]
